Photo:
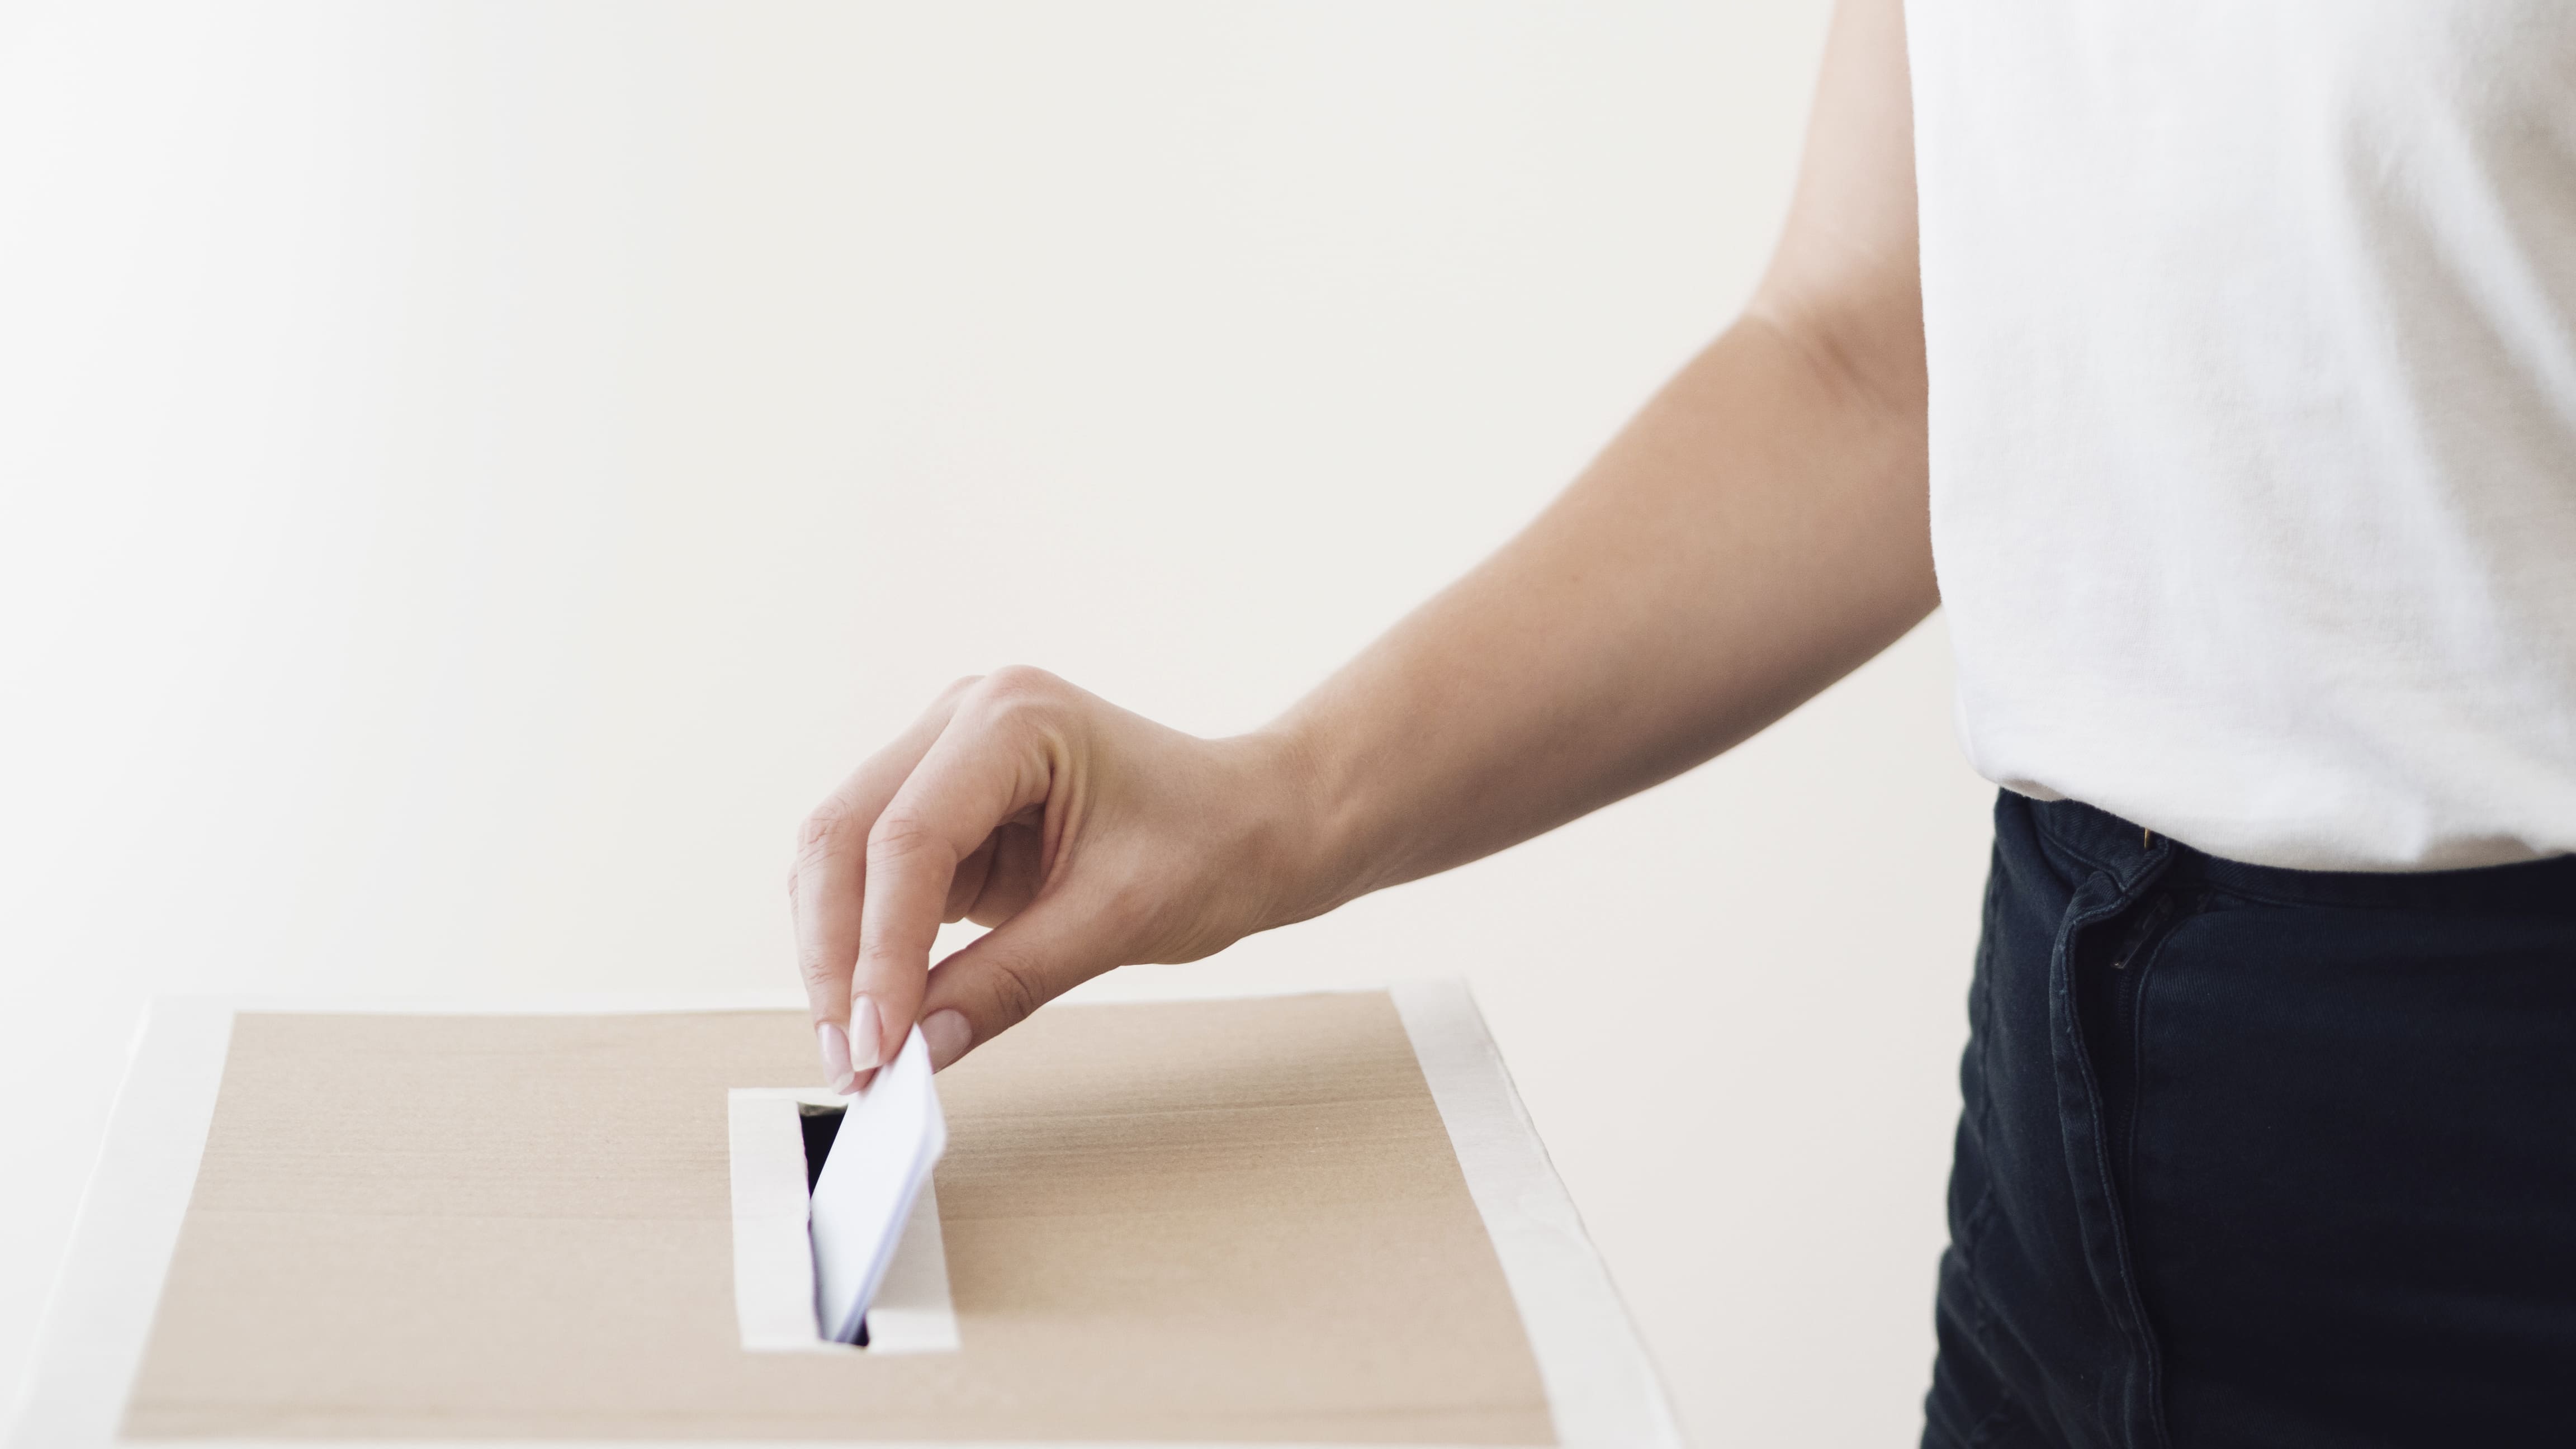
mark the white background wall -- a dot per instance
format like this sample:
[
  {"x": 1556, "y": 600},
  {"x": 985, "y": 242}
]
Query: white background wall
[{"x": 474, "y": 474}]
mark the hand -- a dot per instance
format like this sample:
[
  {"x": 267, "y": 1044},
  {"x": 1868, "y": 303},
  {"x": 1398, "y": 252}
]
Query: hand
[{"x": 1085, "y": 836}]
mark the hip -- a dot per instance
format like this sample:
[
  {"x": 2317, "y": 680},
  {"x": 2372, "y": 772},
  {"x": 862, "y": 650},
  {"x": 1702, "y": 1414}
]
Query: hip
[{"x": 2253, "y": 1155}]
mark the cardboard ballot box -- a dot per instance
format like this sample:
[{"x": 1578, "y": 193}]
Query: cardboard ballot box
[{"x": 1314, "y": 1219}]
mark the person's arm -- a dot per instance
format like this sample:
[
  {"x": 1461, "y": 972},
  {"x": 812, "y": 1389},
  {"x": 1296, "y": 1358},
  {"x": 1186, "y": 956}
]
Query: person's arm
[{"x": 1755, "y": 533}]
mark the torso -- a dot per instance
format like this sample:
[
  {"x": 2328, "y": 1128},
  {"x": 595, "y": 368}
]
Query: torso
[{"x": 2252, "y": 338}]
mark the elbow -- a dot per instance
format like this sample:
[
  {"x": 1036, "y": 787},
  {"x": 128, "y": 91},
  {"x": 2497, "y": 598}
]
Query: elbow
[{"x": 1862, "y": 346}]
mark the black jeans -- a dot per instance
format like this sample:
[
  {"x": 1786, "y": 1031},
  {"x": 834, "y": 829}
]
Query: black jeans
[{"x": 2257, "y": 1156}]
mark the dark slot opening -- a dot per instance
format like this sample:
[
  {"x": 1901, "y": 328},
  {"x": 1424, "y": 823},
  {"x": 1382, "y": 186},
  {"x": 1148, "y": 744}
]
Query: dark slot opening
[{"x": 821, "y": 1125}]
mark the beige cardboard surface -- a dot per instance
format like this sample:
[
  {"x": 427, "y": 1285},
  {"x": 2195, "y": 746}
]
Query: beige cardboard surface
[{"x": 1210, "y": 1221}]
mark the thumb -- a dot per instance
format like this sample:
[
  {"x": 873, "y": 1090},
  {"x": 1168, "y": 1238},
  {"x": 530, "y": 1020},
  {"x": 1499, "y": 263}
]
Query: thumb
[{"x": 1002, "y": 976}]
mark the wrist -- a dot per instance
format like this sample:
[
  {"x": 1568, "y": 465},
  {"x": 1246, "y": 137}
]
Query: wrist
[{"x": 1303, "y": 842}]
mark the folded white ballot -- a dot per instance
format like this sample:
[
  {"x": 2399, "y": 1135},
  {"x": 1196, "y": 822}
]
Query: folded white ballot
[{"x": 888, "y": 1140}]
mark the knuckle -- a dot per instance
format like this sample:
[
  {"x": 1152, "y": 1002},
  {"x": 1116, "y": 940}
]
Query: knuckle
[
  {"x": 1021, "y": 677},
  {"x": 814, "y": 971},
  {"x": 957, "y": 688},
  {"x": 901, "y": 833},
  {"x": 1018, "y": 689},
  {"x": 1016, "y": 989},
  {"x": 827, "y": 826}
]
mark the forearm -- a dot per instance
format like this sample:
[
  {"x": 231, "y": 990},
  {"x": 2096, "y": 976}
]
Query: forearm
[
  {"x": 1755, "y": 533},
  {"x": 1759, "y": 529}
]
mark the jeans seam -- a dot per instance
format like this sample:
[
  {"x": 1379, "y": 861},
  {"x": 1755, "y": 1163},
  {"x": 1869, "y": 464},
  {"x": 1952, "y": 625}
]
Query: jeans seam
[
  {"x": 2144, "y": 963},
  {"x": 1981, "y": 1031},
  {"x": 2126, "y": 897},
  {"x": 2128, "y": 1178}
]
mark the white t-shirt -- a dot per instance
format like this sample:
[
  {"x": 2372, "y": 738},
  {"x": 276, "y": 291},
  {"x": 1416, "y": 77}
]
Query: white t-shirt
[{"x": 2252, "y": 334}]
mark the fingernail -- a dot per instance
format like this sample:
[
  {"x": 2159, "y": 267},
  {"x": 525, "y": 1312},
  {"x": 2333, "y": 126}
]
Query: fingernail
[
  {"x": 867, "y": 1035},
  {"x": 836, "y": 1058},
  {"x": 947, "y": 1035}
]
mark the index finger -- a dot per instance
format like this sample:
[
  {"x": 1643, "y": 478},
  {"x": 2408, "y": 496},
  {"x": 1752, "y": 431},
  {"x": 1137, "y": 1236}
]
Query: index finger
[
  {"x": 975, "y": 777},
  {"x": 827, "y": 891}
]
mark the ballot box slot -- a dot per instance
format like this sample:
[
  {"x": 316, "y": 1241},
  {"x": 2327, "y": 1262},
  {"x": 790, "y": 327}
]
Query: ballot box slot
[
  {"x": 820, "y": 1124},
  {"x": 780, "y": 1140}
]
